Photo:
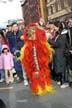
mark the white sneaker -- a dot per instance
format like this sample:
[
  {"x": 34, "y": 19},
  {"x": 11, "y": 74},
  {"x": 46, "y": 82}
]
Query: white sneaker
[
  {"x": 17, "y": 78},
  {"x": 11, "y": 80},
  {"x": 64, "y": 85},
  {"x": 58, "y": 83},
  {"x": 1, "y": 80},
  {"x": 25, "y": 82},
  {"x": 7, "y": 81}
]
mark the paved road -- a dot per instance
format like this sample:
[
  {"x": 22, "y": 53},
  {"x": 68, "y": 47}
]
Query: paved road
[{"x": 19, "y": 96}]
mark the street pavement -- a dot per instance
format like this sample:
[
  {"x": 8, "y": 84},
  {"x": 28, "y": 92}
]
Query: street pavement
[{"x": 20, "y": 96}]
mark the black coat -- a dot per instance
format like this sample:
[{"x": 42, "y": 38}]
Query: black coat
[
  {"x": 59, "y": 58},
  {"x": 70, "y": 49},
  {"x": 17, "y": 65}
]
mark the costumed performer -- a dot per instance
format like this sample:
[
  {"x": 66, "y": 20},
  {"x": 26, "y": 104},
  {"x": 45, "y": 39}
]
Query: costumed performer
[{"x": 36, "y": 56}]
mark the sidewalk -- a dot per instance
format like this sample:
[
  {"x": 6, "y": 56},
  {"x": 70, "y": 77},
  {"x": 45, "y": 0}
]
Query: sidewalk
[{"x": 21, "y": 97}]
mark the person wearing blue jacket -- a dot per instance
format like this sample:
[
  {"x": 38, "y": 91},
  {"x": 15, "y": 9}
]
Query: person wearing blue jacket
[
  {"x": 15, "y": 37},
  {"x": 17, "y": 64}
]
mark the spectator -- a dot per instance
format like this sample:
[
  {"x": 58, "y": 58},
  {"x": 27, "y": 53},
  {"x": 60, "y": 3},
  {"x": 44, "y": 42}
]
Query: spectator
[
  {"x": 15, "y": 37},
  {"x": 69, "y": 52},
  {"x": 59, "y": 58},
  {"x": 17, "y": 64},
  {"x": 7, "y": 64},
  {"x": 4, "y": 37}
]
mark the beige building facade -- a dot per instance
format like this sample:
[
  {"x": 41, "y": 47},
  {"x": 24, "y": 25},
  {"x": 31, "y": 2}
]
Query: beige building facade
[
  {"x": 59, "y": 8},
  {"x": 33, "y": 10}
]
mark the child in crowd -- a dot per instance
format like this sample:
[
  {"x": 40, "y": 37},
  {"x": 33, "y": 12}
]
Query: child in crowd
[
  {"x": 17, "y": 64},
  {"x": 7, "y": 64}
]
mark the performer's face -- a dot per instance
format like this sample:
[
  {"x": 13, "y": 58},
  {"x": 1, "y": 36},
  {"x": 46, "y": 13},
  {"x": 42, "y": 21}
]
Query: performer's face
[{"x": 33, "y": 35}]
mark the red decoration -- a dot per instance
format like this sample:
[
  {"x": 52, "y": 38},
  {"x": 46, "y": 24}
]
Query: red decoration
[{"x": 42, "y": 78}]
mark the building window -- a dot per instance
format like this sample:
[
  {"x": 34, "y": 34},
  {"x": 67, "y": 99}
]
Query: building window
[
  {"x": 59, "y": 4},
  {"x": 51, "y": 9},
  {"x": 69, "y": 2},
  {"x": 48, "y": 11},
  {"x": 54, "y": 8},
  {"x": 48, "y": 1},
  {"x": 62, "y": 4},
  {"x": 66, "y": 3}
]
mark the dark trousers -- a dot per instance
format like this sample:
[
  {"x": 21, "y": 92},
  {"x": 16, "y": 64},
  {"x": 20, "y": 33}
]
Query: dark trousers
[
  {"x": 20, "y": 75},
  {"x": 60, "y": 77}
]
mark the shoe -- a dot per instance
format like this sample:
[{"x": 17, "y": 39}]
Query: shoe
[
  {"x": 18, "y": 81},
  {"x": 7, "y": 82},
  {"x": 17, "y": 78},
  {"x": 25, "y": 82},
  {"x": 11, "y": 80},
  {"x": 58, "y": 83},
  {"x": 1, "y": 80},
  {"x": 64, "y": 85}
]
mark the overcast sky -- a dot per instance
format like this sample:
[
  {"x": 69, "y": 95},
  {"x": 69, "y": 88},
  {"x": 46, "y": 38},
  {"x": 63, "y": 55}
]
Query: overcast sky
[{"x": 10, "y": 10}]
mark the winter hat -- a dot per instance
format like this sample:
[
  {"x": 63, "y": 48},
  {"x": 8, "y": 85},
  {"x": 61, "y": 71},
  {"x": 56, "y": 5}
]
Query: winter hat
[
  {"x": 5, "y": 46},
  {"x": 17, "y": 52},
  {"x": 13, "y": 50}
]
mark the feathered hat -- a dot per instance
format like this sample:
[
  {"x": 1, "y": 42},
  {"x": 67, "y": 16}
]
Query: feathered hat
[{"x": 27, "y": 33}]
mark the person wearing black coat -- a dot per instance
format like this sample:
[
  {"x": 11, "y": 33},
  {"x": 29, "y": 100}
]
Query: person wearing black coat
[
  {"x": 59, "y": 44},
  {"x": 69, "y": 52}
]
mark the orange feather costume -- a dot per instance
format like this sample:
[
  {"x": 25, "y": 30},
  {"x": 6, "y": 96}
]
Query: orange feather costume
[{"x": 36, "y": 56}]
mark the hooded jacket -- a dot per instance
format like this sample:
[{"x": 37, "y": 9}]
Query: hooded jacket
[{"x": 8, "y": 63}]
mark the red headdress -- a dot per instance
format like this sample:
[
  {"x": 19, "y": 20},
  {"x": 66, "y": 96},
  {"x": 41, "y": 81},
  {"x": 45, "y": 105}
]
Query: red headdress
[
  {"x": 40, "y": 33},
  {"x": 26, "y": 30}
]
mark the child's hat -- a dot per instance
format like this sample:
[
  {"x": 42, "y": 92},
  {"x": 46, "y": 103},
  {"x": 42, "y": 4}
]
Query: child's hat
[
  {"x": 13, "y": 50},
  {"x": 5, "y": 46}
]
